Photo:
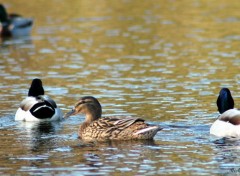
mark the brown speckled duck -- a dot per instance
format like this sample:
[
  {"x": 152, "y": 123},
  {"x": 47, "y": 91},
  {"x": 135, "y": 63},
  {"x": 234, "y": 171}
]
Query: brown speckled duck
[{"x": 95, "y": 128}]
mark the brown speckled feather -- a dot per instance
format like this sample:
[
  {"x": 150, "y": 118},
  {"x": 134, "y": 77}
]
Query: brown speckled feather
[{"x": 117, "y": 128}]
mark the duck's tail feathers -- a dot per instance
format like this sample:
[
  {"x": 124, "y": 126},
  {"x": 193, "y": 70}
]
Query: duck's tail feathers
[
  {"x": 148, "y": 133},
  {"x": 42, "y": 110}
]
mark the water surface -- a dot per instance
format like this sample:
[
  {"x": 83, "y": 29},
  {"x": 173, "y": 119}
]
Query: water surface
[{"x": 164, "y": 61}]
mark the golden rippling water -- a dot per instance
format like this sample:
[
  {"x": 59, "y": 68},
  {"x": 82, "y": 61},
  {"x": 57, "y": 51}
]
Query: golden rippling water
[{"x": 161, "y": 60}]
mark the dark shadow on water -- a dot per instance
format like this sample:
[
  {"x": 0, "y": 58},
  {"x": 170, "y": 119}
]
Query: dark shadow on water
[
  {"x": 41, "y": 135},
  {"x": 123, "y": 144},
  {"x": 41, "y": 128},
  {"x": 11, "y": 41},
  {"x": 95, "y": 155},
  {"x": 116, "y": 143},
  {"x": 226, "y": 154},
  {"x": 227, "y": 141}
]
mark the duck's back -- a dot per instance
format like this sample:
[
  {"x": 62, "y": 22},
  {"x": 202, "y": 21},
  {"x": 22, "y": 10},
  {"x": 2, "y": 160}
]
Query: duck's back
[
  {"x": 232, "y": 116},
  {"x": 117, "y": 128}
]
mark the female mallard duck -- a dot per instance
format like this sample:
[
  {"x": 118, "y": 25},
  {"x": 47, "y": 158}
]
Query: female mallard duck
[
  {"x": 228, "y": 122},
  {"x": 109, "y": 128},
  {"x": 14, "y": 24},
  {"x": 38, "y": 106}
]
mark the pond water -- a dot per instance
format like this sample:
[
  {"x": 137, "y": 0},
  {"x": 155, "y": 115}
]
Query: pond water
[{"x": 164, "y": 61}]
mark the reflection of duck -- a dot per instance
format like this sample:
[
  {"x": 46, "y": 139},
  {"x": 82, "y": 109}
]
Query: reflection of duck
[
  {"x": 129, "y": 144},
  {"x": 40, "y": 135},
  {"x": 14, "y": 24},
  {"x": 109, "y": 128},
  {"x": 38, "y": 106},
  {"x": 228, "y": 123}
]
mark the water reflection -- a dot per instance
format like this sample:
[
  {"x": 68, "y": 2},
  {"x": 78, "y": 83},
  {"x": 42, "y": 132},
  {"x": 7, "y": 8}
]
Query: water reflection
[
  {"x": 226, "y": 154},
  {"x": 41, "y": 136},
  {"x": 16, "y": 40},
  {"x": 15, "y": 53},
  {"x": 108, "y": 157}
]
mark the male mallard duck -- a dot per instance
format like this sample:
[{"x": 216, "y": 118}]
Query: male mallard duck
[
  {"x": 14, "y": 24},
  {"x": 109, "y": 128},
  {"x": 38, "y": 106},
  {"x": 228, "y": 122}
]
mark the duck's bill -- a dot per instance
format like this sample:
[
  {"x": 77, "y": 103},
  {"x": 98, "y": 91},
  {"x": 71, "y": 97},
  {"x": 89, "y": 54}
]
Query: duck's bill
[{"x": 70, "y": 113}]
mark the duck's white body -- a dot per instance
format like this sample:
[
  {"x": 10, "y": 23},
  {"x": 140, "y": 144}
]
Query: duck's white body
[
  {"x": 225, "y": 129},
  {"x": 222, "y": 128},
  {"x": 37, "y": 106},
  {"x": 22, "y": 115}
]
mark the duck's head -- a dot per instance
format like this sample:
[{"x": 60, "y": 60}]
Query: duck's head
[
  {"x": 225, "y": 100},
  {"x": 3, "y": 14},
  {"x": 36, "y": 88},
  {"x": 87, "y": 105}
]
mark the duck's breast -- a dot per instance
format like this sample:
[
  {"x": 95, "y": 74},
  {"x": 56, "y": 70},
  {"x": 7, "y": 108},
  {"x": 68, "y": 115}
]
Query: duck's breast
[{"x": 225, "y": 129}]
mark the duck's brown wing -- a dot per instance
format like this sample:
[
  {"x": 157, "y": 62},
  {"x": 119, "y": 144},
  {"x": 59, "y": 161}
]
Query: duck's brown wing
[
  {"x": 107, "y": 128},
  {"x": 117, "y": 122}
]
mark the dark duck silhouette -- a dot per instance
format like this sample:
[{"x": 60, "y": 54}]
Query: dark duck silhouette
[{"x": 14, "y": 24}]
